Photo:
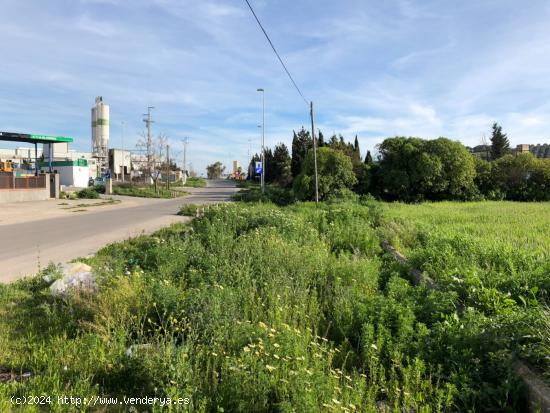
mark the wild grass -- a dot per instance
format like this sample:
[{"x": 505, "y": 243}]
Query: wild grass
[
  {"x": 147, "y": 191},
  {"x": 494, "y": 255},
  {"x": 258, "y": 308},
  {"x": 195, "y": 182}
]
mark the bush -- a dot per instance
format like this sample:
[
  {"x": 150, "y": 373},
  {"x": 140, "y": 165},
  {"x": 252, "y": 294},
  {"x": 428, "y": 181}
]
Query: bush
[
  {"x": 522, "y": 177},
  {"x": 273, "y": 193},
  {"x": 87, "y": 193},
  {"x": 188, "y": 210}
]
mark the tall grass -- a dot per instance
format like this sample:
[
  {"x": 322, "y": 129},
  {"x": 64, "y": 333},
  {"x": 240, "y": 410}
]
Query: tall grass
[{"x": 258, "y": 308}]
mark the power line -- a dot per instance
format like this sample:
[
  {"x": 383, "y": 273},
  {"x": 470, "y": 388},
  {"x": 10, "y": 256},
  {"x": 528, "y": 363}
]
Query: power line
[{"x": 276, "y": 53}]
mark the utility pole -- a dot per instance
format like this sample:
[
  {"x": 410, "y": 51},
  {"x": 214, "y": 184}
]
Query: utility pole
[
  {"x": 263, "y": 139},
  {"x": 314, "y": 152},
  {"x": 149, "y": 155}
]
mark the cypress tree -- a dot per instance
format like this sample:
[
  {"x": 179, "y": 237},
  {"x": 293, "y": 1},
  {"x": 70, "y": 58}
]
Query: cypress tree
[
  {"x": 356, "y": 151},
  {"x": 321, "y": 140},
  {"x": 500, "y": 145},
  {"x": 301, "y": 143},
  {"x": 281, "y": 165},
  {"x": 368, "y": 158}
]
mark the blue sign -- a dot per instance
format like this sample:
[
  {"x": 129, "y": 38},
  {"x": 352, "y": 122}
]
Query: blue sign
[{"x": 259, "y": 167}]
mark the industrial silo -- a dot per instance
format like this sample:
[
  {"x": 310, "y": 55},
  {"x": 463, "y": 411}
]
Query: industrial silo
[{"x": 100, "y": 131}]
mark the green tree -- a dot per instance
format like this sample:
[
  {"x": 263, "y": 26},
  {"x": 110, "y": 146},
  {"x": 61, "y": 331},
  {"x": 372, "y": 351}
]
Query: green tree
[
  {"x": 500, "y": 145},
  {"x": 484, "y": 179},
  {"x": 413, "y": 169},
  {"x": 268, "y": 165},
  {"x": 522, "y": 177},
  {"x": 320, "y": 140},
  {"x": 215, "y": 170},
  {"x": 301, "y": 143},
  {"x": 335, "y": 172},
  {"x": 281, "y": 165},
  {"x": 356, "y": 151},
  {"x": 368, "y": 158}
]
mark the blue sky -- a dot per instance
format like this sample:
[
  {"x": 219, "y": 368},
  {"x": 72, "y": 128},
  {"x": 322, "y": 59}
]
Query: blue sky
[{"x": 373, "y": 68}]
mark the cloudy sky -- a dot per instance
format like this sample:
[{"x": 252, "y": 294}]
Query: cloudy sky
[{"x": 373, "y": 68}]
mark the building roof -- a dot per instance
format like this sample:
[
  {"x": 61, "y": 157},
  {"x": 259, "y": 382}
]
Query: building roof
[{"x": 28, "y": 138}]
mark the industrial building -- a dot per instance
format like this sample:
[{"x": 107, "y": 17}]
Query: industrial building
[
  {"x": 120, "y": 164},
  {"x": 40, "y": 154}
]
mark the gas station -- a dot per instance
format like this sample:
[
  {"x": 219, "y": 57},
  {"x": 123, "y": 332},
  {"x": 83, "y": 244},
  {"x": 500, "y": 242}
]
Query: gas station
[
  {"x": 35, "y": 140},
  {"x": 19, "y": 184}
]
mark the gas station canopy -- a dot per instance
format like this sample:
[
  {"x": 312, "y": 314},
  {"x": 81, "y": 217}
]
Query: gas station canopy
[{"x": 27, "y": 138}]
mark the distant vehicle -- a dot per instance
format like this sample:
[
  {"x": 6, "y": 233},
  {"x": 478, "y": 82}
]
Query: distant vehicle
[
  {"x": 99, "y": 182},
  {"x": 6, "y": 166}
]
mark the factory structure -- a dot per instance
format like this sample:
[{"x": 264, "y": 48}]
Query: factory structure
[
  {"x": 75, "y": 168},
  {"x": 100, "y": 133}
]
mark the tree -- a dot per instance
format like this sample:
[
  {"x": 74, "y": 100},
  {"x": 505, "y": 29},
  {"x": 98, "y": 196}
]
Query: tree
[
  {"x": 522, "y": 177},
  {"x": 320, "y": 140},
  {"x": 281, "y": 165},
  {"x": 356, "y": 151},
  {"x": 215, "y": 170},
  {"x": 413, "y": 169},
  {"x": 301, "y": 143},
  {"x": 500, "y": 145},
  {"x": 268, "y": 165},
  {"x": 335, "y": 173},
  {"x": 368, "y": 158},
  {"x": 154, "y": 152}
]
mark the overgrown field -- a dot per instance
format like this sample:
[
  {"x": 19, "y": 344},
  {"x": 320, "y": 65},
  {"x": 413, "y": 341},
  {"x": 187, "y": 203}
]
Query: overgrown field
[
  {"x": 256, "y": 308},
  {"x": 494, "y": 255}
]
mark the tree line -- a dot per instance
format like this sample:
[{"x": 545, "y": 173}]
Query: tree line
[{"x": 406, "y": 169}]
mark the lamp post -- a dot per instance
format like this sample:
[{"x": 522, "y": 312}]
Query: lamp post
[
  {"x": 263, "y": 139},
  {"x": 123, "y": 154}
]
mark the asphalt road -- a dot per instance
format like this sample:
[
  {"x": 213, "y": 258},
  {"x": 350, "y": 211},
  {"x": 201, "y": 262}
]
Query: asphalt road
[{"x": 28, "y": 246}]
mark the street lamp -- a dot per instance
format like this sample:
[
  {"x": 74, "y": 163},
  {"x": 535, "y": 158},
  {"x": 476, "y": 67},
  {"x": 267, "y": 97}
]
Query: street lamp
[
  {"x": 263, "y": 138},
  {"x": 123, "y": 155}
]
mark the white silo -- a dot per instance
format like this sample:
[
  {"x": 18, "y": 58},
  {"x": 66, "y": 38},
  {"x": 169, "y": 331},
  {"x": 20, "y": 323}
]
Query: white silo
[{"x": 100, "y": 130}]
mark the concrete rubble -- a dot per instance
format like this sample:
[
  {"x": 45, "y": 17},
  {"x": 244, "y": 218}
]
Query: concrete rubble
[{"x": 75, "y": 276}]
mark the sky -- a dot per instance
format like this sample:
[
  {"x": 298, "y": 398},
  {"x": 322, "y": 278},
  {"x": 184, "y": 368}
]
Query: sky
[{"x": 374, "y": 69}]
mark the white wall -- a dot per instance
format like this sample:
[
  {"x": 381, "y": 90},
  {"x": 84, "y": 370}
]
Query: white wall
[{"x": 72, "y": 175}]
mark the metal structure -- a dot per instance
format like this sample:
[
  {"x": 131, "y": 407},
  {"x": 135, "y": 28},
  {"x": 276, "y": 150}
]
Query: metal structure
[
  {"x": 100, "y": 132},
  {"x": 149, "y": 144},
  {"x": 35, "y": 140}
]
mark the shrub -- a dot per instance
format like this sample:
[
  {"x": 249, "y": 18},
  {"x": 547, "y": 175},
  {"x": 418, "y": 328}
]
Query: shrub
[
  {"x": 87, "y": 193},
  {"x": 188, "y": 210}
]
